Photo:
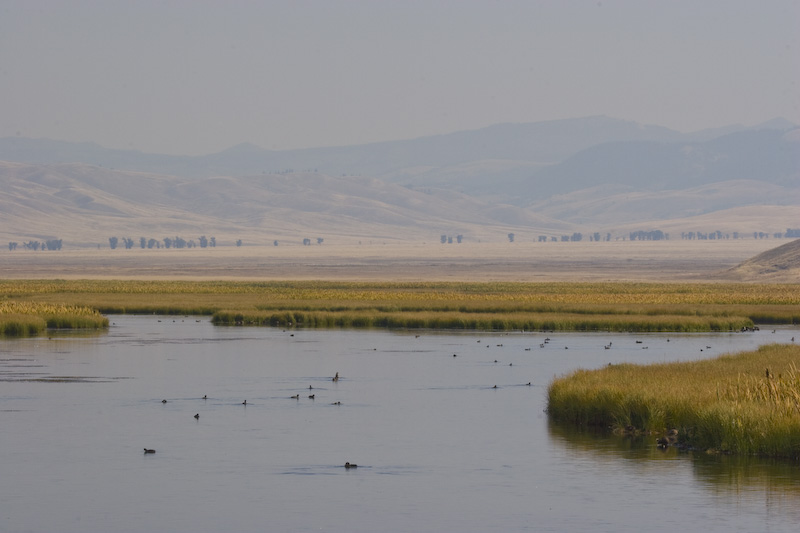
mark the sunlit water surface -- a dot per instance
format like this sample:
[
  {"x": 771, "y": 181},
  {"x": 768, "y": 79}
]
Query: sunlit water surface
[{"x": 438, "y": 447}]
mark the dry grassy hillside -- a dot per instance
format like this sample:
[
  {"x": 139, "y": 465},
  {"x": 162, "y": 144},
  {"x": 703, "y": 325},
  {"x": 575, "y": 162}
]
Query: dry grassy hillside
[
  {"x": 84, "y": 205},
  {"x": 781, "y": 264}
]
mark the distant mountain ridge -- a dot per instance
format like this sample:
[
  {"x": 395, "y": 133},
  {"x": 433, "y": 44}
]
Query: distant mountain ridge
[
  {"x": 552, "y": 178},
  {"x": 537, "y": 143}
]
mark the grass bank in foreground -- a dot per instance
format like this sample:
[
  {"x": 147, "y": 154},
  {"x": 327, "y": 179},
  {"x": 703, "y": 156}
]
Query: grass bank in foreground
[
  {"x": 745, "y": 403},
  {"x": 19, "y": 319},
  {"x": 441, "y": 305}
]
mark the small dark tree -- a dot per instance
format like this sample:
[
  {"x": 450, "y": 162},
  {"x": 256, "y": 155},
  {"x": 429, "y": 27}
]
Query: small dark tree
[
  {"x": 12, "y": 246},
  {"x": 444, "y": 239},
  {"x": 203, "y": 241},
  {"x": 510, "y": 237},
  {"x": 142, "y": 242},
  {"x": 128, "y": 243},
  {"x": 239, "y": 242},
  {"x": 167, "y": 242},
  {"x": 320, "y": 240},
  {"x": 113, "y": 241},
  {"x": 274, "y": 243},
  {"x": 459, "y": 238},
  {"x": 212, "y": 242},
  {"x": 306, "y": 242},
  {"x": 53, "y": 244}
]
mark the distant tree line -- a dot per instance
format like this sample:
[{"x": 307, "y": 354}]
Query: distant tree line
[
  {"x": 699, "y": 235},
  {"x": 448, "y": 239},
  {"x": 166, "y": 242},
  {"x": 51, "y": 244},
  {"x": 658, "y": 235}
]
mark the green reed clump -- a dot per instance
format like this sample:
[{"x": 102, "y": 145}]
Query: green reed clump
[
  {"x": 32, "y": 318},
  {"x": 18, "y": 325},
  {"x": 373, "y": 317},
  {"x": 747, "y": 403}
]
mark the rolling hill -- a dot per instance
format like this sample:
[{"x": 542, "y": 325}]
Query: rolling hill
[{"x": 544, "y": 179}]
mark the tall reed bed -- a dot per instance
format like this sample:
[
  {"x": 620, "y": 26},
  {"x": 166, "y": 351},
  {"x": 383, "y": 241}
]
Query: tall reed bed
[
  {"x": 497, "y": 305},
  {"x": 747, "y": 403},
  {"x": 498, "y": 321},
  {"x": 32, "y": 318}
]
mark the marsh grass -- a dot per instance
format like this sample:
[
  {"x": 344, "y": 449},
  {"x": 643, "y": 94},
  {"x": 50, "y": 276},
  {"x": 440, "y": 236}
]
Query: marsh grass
[
  {"x": 484, "y": 306},
  {"x": 747, "y": 403},
  {"x": 31, "y": 318}
]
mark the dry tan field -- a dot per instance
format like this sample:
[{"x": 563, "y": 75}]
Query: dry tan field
[{"x": 677, "y": 260}]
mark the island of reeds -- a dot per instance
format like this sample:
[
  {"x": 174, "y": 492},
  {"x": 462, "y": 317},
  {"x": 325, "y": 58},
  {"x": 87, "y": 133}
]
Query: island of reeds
[
  {"x": 19, "y": 319},
  {"x": 499, "y": 306},
  {"x": 746, "y": 403}
]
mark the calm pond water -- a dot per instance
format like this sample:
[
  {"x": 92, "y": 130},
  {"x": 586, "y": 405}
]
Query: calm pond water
[{"x": 438, "y": 447}]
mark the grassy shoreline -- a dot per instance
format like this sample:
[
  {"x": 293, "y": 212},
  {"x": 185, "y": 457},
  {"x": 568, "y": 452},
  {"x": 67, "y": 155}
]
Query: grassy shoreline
[
  {"x": 746, "y": 403},
  {"x": 562, "y": 306},
  {"x": 22, "y": 319}
]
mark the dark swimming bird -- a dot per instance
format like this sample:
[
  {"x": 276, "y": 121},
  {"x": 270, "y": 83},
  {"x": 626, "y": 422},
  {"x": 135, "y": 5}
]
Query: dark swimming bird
[
  {"x": 244, "y": 402},
  {"x": 205, "y": 397},
  {"x": 296, "y": 397},
  {"x": 149, "y": 451},
  {"x": 336, "y": 403},
  {"x": 197, "y": 416},
  {"x": 163, "y": 401},
  {"x": 350, "y": 465},
  {"x": 312, "y": 396},
  {"x": 336, "y": 377}
]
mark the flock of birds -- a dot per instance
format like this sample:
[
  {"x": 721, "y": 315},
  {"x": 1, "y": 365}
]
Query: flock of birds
[
  {"x": 348, "y": 465},
  {"x": 335, "y": 379}
]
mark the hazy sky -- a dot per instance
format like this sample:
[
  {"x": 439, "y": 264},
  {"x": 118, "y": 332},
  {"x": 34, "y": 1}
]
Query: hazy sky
[{"x": 195, "y": 77}]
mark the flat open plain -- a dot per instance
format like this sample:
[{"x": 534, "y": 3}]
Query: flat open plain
[{"x": 687, "y": 261}]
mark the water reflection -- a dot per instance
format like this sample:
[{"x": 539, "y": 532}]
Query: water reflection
[{"x": 439, "y": 448}]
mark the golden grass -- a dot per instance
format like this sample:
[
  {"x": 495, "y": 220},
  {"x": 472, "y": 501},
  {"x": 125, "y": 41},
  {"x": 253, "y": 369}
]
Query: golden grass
[
  {"x": 747, "y": 403},
  {"x": 20, "y": 318},
  {"x": 481, "y": 305}
]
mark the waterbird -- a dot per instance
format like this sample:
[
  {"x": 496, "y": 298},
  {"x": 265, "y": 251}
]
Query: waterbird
[
  {"x": 149, "y": 451},
  {"x": 244, "y": 402},
  {"x": 163, "y": 401},
  {"x": 296, "y": 397},
  {"x": 197, "y": 416},
  {"x": 336, "y": 377},
  {"x": 311, "y": 396},
  {"x": 350, "y": 465},
  {"x": 205, "y": 397},
  {"x": 336, "y": 403}
]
